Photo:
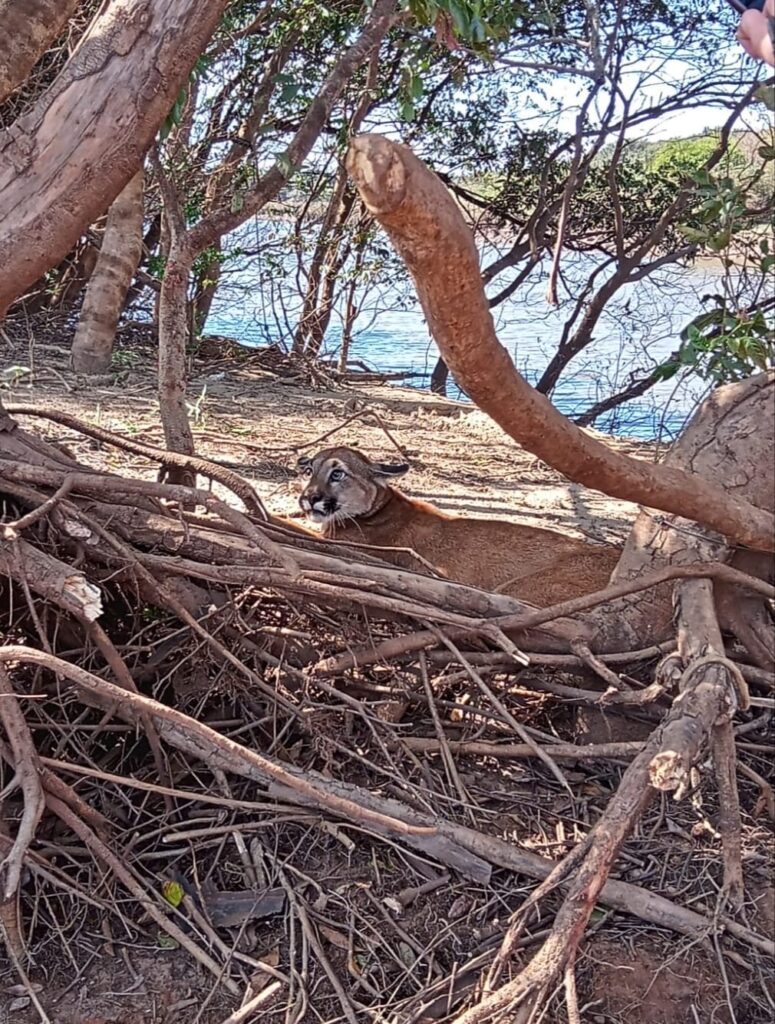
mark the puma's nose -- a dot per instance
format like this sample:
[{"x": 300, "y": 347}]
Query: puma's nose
[{"x": 309, "y": 499}]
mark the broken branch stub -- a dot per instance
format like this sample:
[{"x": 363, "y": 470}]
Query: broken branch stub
[{"x": 428, "y": 231}]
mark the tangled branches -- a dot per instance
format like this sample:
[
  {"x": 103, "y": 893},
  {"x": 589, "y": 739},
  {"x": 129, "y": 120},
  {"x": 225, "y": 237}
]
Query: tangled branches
[{"x": 127, "y": 600}]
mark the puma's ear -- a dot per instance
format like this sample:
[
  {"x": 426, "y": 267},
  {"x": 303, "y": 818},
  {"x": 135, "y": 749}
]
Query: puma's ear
[
  {"x": 304, "y": 464},
  {"x": 390, "y": 468}
]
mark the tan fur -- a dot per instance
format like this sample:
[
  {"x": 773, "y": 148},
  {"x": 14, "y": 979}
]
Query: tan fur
[{"x": 538, "y": 566}]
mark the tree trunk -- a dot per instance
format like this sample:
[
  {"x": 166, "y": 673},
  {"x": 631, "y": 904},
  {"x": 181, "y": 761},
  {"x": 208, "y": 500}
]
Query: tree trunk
[
  {"x": 326, "y": 296},
  {"x": 204, "y": 291},
  {"x": 351, "y": 310},
  {"x": 151, "y": 240},
  {"x": 329, "y": 237},
  {"x": 65, "y": 160},
  {"x": 106, "y": 292},
  {"x": 439, "y": 377},
  {"x": 314, "y": 320},
  {"x": 173, "y": 337},
  {"x": 29, "y": 28},
  {"x": 731, "y": 438}
]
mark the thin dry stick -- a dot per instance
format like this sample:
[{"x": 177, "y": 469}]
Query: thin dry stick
[
  {"x": 320, "y": 953},
  {"x": 767, "y": 793},
  {"x": 13, "y": 529},
  {"x": 124, "y": 679},
  {"x": 442, "y": 745},
  {"x": 26, "y": 768},
  {"x": 311, "y": 936},
  {"x": 510, "y": 751},
  {"x": 152, "y": 787},
  {"x": 702, "y": 647},
  {"x": 253, "y": 1004},
  {"x": 356, "y": 416},
  {"x": 581, "y": 649},
  {"x": 19, "y": 968}
]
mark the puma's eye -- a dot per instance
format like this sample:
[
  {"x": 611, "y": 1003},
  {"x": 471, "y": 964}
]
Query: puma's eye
[
  {"x": 336, "y": 475},
  {"x": 307, "y": 471}
]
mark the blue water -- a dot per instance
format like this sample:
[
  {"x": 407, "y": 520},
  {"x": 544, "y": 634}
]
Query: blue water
[{"x": 640, "y": 329}]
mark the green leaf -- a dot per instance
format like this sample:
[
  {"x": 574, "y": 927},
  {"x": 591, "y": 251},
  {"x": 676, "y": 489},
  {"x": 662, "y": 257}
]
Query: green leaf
[
  {"x": 284, "y": 164},
  {"x": 290, "y": 91},
  {"x": 692, "y": 234},
  {"x": 174, "y": 116},
  {"x": 666, "y": 370},
  {"x": 406, "y": 110},
  {"x": 173, "y": 893}
]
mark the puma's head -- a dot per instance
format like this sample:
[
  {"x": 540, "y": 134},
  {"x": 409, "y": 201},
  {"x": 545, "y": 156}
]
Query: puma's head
[{"x": 342, "y": 484}]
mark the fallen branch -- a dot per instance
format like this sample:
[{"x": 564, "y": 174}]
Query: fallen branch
[
  {"x": 510, "y": 751},
  {"x": 233, "y": 481},
  {"x": 124, "y": 488},
  {"x": 515, "y": 624},
  {"x": 429, "y": 232},
  {"x": 55, "y": 581}
]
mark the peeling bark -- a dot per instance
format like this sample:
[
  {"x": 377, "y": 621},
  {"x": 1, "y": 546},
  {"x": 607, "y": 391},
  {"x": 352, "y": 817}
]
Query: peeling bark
[{"x": 731, "y": 439}]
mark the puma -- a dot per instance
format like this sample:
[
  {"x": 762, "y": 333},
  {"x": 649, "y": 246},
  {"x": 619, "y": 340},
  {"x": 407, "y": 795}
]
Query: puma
[{"x": 353, "y": 500}]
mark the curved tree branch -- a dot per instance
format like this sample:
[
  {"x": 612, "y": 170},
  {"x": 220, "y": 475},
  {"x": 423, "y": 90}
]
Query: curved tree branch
[{"x": 429, "y": 232}]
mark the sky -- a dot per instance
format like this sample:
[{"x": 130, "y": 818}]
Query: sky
[{"x": 652, "y": 79}]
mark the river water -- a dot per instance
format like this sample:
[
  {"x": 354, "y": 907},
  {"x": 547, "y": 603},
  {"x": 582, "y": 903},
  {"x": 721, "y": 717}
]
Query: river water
[{"x": 640, "y": 329}]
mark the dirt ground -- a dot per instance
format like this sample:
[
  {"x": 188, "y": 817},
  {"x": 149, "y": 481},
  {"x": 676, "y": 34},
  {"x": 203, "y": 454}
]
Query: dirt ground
[{"x": 258, "y": 421}]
